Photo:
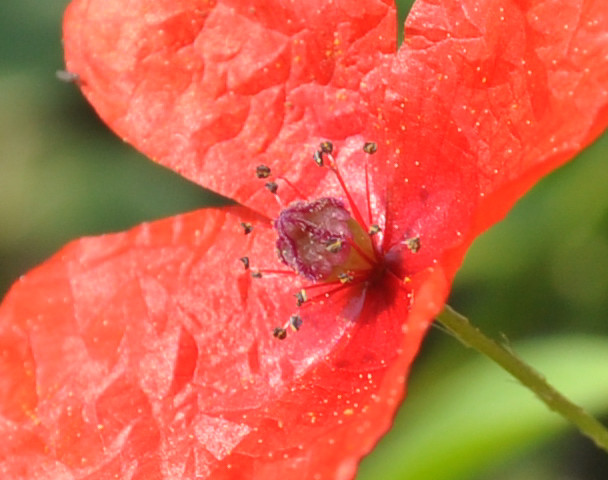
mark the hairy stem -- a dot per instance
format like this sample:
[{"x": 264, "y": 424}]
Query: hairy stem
[{"x": 470, "y": 336}]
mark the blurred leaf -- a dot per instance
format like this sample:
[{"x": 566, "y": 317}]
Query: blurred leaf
[
  {"x": 564, "y": 207},
  {"x": 64, "y": 175},
  {"x": 477, "y": 415}
]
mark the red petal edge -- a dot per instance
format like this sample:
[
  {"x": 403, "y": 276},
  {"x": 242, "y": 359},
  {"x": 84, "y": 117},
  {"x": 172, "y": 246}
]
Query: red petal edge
[{"x": 148, "y": 355}]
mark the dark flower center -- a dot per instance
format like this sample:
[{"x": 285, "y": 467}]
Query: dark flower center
[{"x": 322, "y": 242}]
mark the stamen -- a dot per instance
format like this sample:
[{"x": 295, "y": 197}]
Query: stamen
[
  {"x": 262, "y": 171},
  {"x": 318, "y": 158},
  {"x": 413, "y": 244},
  {"x": 245, "y": 261},
  {"x": 370, "y": 148},
  {"x": 374, "y": 229},
  {"x": 295, "y": 322},
  {"x": 326, "y": 147},
  {"x": 368, "y": 196},
  {"x": 346, "y": 277},
  {"x": 301, "y": 297},
  {"x": 272, "y": 187},
  {"x": 316, "y": 286},
  {"x": 340, "y": 286},
  {"x": 280, "y": 333},
  {"x": 256, "y": 274},
  {"x": 247, "y": 227}
]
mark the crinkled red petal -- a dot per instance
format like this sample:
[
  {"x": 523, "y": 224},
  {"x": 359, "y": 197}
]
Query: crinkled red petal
[
  {"x": 149, "y": 355},
  {"x": 212, "y": 89},
  {"x": 482, "y": 100}
]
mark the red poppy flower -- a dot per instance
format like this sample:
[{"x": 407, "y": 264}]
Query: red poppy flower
[{"x": 149, "y": 354}]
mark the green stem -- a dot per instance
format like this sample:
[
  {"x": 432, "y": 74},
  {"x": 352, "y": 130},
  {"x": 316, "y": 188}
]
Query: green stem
[{"x": 470, "y": 336}]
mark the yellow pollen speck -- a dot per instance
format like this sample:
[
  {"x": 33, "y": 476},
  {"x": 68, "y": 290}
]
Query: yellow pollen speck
[{"x": 348, "y": 411}]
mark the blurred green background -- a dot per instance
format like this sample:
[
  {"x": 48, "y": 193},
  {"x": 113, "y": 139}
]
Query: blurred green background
[{"x": 539, "y": 279}]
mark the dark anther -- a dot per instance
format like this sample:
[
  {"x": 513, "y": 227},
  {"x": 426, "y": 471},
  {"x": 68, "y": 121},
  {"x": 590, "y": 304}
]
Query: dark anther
[
  {"x": 245, "y": 261},
  {"x": 374, "y": 229},
  {"x": 262, "y": 171},
  {"x": 247, "y": 227},
  {"x": 334, "y": 246},
  {"x": 326, "y": 147},
  {"x": 413, "y": 244},
  {"x": 256, "y": 274},
  {"x": 346, "y": 277},
  {"x": 272, "y": 187},
  {"x": 318, "y": 158},
  {"x": 295, "y": 322},
  {"x": 279, "y": 332},
  {"x": 68, "y": 77},
  {"x": 301, "y": 297},
  {"x": 370, "y": 147}
]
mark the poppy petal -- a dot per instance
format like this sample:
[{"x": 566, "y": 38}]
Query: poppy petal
[
  {"x": 213, "y": 89},
  {"x": 486, "y": 97},
  {"x": 149, "y": 354}
]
